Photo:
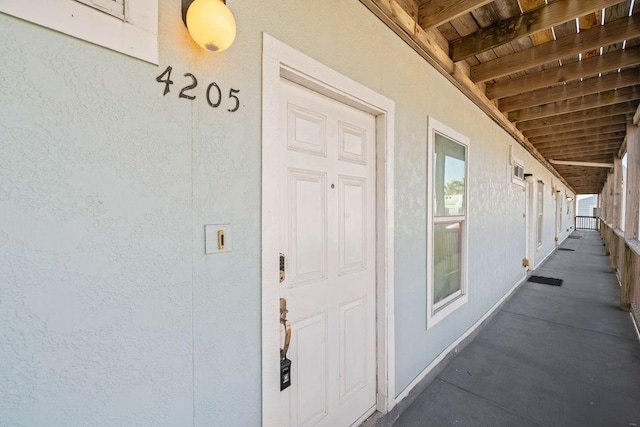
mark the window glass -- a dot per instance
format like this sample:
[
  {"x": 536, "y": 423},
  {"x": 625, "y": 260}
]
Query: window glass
[
  {"x": 449, "y": 183},
  {"x": 447, "y": 252}
]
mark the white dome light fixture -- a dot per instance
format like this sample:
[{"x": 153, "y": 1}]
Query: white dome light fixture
[{"x": 211, "y": 24}]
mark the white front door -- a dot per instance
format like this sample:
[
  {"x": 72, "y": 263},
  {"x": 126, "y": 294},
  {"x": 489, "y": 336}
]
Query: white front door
[
  {"x": 327, "y": 189},
  {"x": 558, "y": 216},
  {"x": 529, "y": 227}
]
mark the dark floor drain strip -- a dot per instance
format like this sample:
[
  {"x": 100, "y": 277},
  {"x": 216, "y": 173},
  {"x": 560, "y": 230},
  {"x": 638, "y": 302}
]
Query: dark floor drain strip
[
  {"x": 575, "y": 237},
  {"x": 566, "y": 249},
  {"x": 545, "y": 280}
]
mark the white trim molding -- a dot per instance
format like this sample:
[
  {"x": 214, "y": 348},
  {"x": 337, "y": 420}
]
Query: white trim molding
[
  {"x": 136, "y": 34},
  {"x": 280, "y": 60}
]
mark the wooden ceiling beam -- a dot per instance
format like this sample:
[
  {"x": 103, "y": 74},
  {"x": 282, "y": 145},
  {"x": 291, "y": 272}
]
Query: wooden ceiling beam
[
  {"x": 587, "y": 157},
  {"x": 552, "y": 76},
  {"x": 540, "y": 37},
  {"x": 589, "y": 174},
  {"x": 427, "y": 44},
  {"x": 577, "y": 172},
  {"x": 593, "y": 185},
  {"x": 593, "y": 180},
  {"x": 583, "y": 132},
  {"x": 581, "y": 140},
  {"x": 596, "y": 100},
  {"x": 594, "y": 38},
  {"x": 606, "y": 148},
  {"x": 433, "y": 13},
  {"x": 585, "y": 126},
  {"x": 582, "y": 164},
  {"x": 596, "y": 156},
  {"x": 585, "y": 145},
  {"x": 571, "y": 90},
  {"x": 594, "y": 113},
  {"x": 524, "y": 25}
]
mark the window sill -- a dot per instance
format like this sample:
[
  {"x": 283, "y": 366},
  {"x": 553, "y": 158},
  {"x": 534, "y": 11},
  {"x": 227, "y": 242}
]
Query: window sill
[
  {"x": 136, "y": 37},
  {"x": 444, "y": 311}
]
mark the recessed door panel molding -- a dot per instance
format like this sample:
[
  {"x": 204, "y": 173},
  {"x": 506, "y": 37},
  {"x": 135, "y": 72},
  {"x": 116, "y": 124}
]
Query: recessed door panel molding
[
  {"x": 307, "y": 131},
  {"x": 352, "y": 220},
  {"x": 307, "y": 226},
  {"x": 352, "y": 143},
  {"x": 309, "y": 374},
  {"x": 353, "y": 348}
]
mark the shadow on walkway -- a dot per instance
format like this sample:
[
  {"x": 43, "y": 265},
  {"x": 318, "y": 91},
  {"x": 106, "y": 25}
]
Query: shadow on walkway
[{"x": 553, "y": 356}]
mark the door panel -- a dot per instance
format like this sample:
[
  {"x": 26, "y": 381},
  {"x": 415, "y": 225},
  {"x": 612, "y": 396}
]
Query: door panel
[
  {"x": 353, "y": 223},
  {"x": 353, "y": 348},
  {"x": 306, "y": 131},
  {"x": 307, "y": 226},
  {"x": 327, "y": 232},
  {"x": 310, "y": 352}
]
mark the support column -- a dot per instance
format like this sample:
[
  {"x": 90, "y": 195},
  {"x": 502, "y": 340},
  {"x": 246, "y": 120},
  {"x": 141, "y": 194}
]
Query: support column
[
  {"x": 610, "y": 179},
  {"x": 633, "y": 182},
  {"x": 631, "y": 280},
  {"x": 617, "y": 193}
]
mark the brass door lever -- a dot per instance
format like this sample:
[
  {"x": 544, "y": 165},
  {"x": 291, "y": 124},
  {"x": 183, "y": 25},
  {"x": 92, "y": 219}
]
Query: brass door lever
[{"x": 287, "y": 328}]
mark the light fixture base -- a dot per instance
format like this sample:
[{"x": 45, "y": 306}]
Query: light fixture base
[{"x": 185, "y": 6}]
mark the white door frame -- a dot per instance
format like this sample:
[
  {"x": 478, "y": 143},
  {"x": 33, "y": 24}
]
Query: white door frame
[{"x": 280, "y": 60}]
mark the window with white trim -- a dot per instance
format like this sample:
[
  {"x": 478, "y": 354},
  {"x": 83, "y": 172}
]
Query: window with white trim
[
  {"x": 447, "y": 242},
  {"x": 516, "y": 168},
  {"x": 126, "y": 26},
  {"x": 517, "y": 171},
  {"x": 539, "y": 212}
]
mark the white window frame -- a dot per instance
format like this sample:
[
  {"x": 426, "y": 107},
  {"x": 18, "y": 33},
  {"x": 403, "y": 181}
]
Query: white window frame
[
  {"x": 513, "y": 162},
  {"x": 136, "y": 35},
  {"x": 437, "y": 312}
]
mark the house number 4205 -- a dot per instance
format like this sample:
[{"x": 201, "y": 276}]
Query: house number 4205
[{"x": 213, "y": 94}]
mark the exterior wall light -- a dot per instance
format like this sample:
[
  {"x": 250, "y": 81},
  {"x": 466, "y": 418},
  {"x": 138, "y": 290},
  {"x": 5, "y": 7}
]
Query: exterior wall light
[{"x": 210, "y": 23}]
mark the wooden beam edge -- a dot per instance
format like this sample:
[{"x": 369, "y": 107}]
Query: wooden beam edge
[
  {"x": 420, "y": 41},
  {"x": 636, "y": 116},
  {"x": 623, "y": 148}
]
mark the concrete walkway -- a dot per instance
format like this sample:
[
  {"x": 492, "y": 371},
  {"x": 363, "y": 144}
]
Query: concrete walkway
[{"x": 553, "y": 356}]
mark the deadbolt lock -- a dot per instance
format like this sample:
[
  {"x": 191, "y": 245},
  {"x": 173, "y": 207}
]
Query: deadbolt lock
[{"x": 282, "y": 267}]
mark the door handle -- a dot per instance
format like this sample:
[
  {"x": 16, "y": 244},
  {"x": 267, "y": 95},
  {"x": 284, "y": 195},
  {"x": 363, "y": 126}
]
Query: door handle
[{"x": 287, "y": 328}]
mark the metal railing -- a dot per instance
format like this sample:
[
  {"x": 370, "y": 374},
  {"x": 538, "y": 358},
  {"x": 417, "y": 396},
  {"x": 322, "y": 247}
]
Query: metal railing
[{"x": 587, "y": 223}]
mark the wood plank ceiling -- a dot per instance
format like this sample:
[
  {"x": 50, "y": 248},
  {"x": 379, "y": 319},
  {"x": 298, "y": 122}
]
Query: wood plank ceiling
[{"x": 561, "y": 76}]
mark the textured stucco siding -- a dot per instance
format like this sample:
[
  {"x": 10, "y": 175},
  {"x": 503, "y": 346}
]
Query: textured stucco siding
[{"x": 110, "y": 312}]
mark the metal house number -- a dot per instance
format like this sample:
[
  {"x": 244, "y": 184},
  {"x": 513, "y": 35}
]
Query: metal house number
[{"x": 213, "y": 93}]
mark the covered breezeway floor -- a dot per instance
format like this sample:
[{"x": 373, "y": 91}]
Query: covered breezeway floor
[{"x": 552, "y": 356}]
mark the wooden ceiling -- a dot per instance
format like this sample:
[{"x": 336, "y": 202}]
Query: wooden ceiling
[{"x": 561, "y": 76}]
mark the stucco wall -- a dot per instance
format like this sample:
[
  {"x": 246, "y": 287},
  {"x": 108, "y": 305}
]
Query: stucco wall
[{"x": 110, "y": 313}]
